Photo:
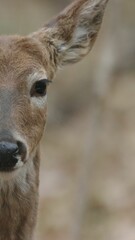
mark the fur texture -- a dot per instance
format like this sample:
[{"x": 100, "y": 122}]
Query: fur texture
[{"x": 23, "y": 61}]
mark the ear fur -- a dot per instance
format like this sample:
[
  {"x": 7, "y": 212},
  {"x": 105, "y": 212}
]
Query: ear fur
[{"x": 73, "y": 32}]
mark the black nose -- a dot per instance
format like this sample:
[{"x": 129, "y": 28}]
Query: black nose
[{"x": 9, "y": 153}]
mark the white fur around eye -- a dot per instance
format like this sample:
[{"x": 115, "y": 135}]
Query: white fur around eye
[{"x": 39, "y": 102}]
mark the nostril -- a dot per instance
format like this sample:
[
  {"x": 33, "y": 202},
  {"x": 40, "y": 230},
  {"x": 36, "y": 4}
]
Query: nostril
[
  {"x": 8, "y": 151},
  {"x": 11, "y": 153}
]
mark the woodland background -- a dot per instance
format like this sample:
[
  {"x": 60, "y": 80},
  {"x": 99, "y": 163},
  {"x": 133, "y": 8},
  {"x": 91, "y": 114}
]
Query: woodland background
[{"x": 87, "y": 189}]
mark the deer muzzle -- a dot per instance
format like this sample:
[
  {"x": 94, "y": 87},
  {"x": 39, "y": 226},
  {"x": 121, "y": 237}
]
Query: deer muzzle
[{"x": 12, "y": 155}]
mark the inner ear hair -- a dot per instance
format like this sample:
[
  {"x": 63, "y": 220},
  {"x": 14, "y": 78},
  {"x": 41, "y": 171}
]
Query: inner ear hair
[{"x": 73, "y": 32}]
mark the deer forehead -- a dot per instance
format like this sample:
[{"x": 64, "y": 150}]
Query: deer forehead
[{"x": 22, "y": 59}]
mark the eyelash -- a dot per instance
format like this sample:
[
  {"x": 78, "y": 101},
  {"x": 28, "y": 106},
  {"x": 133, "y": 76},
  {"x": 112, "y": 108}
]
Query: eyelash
[{"x": 39, "y": 88}]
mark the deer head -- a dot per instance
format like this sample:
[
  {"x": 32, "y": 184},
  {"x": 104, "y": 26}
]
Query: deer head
[{"x": 27, "y": 66}]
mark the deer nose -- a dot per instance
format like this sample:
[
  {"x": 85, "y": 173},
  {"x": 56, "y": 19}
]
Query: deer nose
[{"x": 9, "y": 154}]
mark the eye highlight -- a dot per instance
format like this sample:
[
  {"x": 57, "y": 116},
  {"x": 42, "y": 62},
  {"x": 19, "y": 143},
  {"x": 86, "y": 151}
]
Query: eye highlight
[{"x": 39, "y": 88}]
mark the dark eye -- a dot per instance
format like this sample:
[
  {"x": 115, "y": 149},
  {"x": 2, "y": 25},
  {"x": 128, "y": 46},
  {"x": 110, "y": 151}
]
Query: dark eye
[{"x": 39, "y": 88}]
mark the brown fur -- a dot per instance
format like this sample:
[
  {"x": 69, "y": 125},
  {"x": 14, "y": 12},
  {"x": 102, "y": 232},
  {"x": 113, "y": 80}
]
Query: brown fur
[{"x": 66, "y": 39}]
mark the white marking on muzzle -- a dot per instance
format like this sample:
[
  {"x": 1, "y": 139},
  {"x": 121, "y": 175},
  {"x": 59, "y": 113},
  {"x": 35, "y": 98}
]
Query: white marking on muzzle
[{"x": 19, "y": 163}]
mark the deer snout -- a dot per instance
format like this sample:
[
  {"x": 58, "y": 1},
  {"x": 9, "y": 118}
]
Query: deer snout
[{"x": 12, "y": 155}]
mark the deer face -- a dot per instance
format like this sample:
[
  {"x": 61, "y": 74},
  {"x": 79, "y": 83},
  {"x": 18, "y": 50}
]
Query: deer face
[
  {"x": 23, "y": 99},
  {"x": 27, "y": 64}
]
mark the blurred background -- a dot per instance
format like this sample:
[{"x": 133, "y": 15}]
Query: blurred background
[{"x": 87, "y": 186}]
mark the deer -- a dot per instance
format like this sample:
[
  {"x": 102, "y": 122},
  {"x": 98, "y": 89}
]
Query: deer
[{"x": 28, "y": 64}]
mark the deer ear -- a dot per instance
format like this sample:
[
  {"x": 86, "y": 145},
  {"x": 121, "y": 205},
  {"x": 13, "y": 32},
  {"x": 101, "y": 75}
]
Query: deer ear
[{"x": 73, "y": 32}]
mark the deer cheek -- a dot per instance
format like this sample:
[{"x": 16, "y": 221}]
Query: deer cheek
[{"x": 35, "y": 129}]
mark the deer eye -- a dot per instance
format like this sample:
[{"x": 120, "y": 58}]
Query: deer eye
[{"x": 39, "y": 88}]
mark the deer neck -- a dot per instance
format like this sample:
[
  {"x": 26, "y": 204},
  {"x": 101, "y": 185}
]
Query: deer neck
[{"x": 19, "y": 202}]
